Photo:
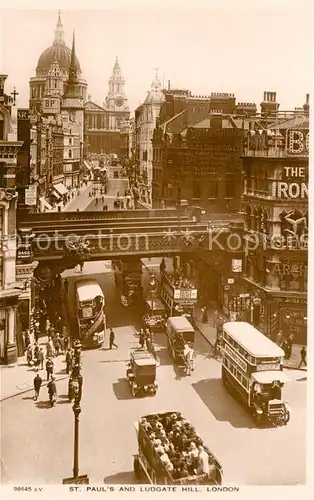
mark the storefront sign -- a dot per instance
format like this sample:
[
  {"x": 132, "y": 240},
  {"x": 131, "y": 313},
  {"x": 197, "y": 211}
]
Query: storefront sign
[
  {"x": 294, "y": 270},
  {"x": 293, "y": 320},
  {"x": 31, "y": 195},
  {"x": 235, "y": 358},
  {"x": 23, "y": 114},
  {"x": 236, "y": 265},
  {"x": 185, "y": 294},
  {"x": 24, "y": 253},
  {"x": 215, "y": 136},
  {"x": 294, "y": 186},
  {"x": 294, "y": 300},
  {"x": 297, "y": 142}
]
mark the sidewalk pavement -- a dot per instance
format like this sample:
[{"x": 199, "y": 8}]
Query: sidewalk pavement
[
  {"x": 80, "y": 201},
  {"x": 208, "y": 331},
  {"x": 18, "y": 379}
]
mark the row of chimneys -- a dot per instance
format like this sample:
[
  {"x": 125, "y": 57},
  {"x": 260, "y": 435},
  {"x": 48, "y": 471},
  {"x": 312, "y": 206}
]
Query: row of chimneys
[{"x": 268, "y": 97}]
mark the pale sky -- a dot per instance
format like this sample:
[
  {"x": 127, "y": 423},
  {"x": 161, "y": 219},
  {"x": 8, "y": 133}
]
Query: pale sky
[{"x": 238, "y": 47}]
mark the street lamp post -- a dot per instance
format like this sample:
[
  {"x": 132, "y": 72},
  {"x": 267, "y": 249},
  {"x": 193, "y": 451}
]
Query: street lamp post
[{"x": 77, "y": 384}]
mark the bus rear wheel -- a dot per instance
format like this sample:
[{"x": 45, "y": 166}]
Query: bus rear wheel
[{"x": 257, "y": 418}]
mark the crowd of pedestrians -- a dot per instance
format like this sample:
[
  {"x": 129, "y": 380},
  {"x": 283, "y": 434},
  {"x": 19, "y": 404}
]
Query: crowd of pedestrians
[{"x": 56, "y": 345}]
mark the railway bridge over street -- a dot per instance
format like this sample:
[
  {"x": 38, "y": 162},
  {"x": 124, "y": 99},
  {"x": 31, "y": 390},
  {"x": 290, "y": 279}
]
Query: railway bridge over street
[{"x": 55, "y": 239}]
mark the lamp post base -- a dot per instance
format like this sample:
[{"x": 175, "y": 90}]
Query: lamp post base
[{"x": 76, "y": 480}]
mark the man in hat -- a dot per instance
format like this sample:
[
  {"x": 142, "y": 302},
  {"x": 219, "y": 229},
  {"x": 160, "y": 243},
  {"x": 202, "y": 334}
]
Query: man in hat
[
  {"x": 52, "y": 389},
  {"x": 112, "y": 339},
  {"x": 37, "y": 385},
  {"x": 49, "y": 368},
  {"x": 40, "y": 359},
  {"x": 303, "y": 357}
]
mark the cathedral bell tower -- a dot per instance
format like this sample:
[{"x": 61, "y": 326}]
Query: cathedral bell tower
[{"x": 116, "y": 102}]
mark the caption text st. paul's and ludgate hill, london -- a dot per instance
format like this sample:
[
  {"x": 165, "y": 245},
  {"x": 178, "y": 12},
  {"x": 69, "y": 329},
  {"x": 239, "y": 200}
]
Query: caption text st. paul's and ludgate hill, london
[{"x": 153, "y": 293}]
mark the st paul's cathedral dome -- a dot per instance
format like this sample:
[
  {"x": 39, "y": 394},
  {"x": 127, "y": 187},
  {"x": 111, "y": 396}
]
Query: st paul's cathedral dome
[{"x": 58, "y": 52}]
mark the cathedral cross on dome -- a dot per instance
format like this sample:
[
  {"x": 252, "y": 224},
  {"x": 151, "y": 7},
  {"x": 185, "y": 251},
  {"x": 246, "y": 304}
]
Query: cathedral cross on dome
[
  {"x": 14, "y": 94},
  {"x": 59, "y": 31}
]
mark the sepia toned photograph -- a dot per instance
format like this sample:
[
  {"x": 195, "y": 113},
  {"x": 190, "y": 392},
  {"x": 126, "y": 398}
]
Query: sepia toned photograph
[{"x": 154, "y": 220}]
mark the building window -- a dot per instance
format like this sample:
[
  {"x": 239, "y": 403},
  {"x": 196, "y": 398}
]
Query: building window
[
  {"x": 3, "y": 180},
  {"x": 213, "y": 189},
  {"x": 249, "y": 217},
  {"x": 196, "y": 189},
  {"x": 230, "y": 186},
  {"x": 70, "y": 141},
  {"x": 70, "y": 153}
]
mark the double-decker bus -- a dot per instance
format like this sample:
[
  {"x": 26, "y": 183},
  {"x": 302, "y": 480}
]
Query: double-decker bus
[
  {"x": 252, "y": 371},
  {"x": 90, "y": 312},
  {"x": 178, "y": 293}
]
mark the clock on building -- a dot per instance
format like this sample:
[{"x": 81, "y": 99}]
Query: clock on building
[{"x": 119, "y": 101}]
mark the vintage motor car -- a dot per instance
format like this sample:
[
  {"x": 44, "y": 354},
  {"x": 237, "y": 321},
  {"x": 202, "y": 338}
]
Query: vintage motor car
[
  {"x": 155, "y": 315},
  {"x": 141, "y": 373},
  {"x": 150, "y": 467}
]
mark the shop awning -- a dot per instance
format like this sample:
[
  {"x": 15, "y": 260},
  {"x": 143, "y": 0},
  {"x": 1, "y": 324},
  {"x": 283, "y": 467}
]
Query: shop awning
[
  {"x": 44, "y": 204},
  {"x": 60, "y": 188}
]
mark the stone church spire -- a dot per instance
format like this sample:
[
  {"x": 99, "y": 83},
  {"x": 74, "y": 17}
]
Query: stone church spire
[
  {"x": 73, "y": 92},
  {"x": 59, "y": 32},
  {"x": 73, "y": 78}
]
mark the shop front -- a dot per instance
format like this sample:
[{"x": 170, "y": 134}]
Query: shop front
[
  {"x": 287, "y": 315},
  {"x": 209, "y": 272},
  {"x": 8, "y": 305}
]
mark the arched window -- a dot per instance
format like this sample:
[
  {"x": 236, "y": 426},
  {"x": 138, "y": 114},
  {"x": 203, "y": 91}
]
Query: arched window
[
  {"x": 255, "y": 220},
  {"x": 249, "y": 217},
  {"x": 267, "y": 223}
]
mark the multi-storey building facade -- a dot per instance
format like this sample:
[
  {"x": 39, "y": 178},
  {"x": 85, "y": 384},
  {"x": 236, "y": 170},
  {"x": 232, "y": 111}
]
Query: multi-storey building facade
[
  {"x": 126, "y": 144},
  {"x": 189, "y": 141},
  {"x": 200, "y": 164},
  {"x": 71, "y": 152},
  {"x": 103, "y": 122},
  {"x": 9, "y": 147},
  {"x": 145, "y": 123},
  {"x": 275, "y": 164},
  {"x": 57, "y": 152}
]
